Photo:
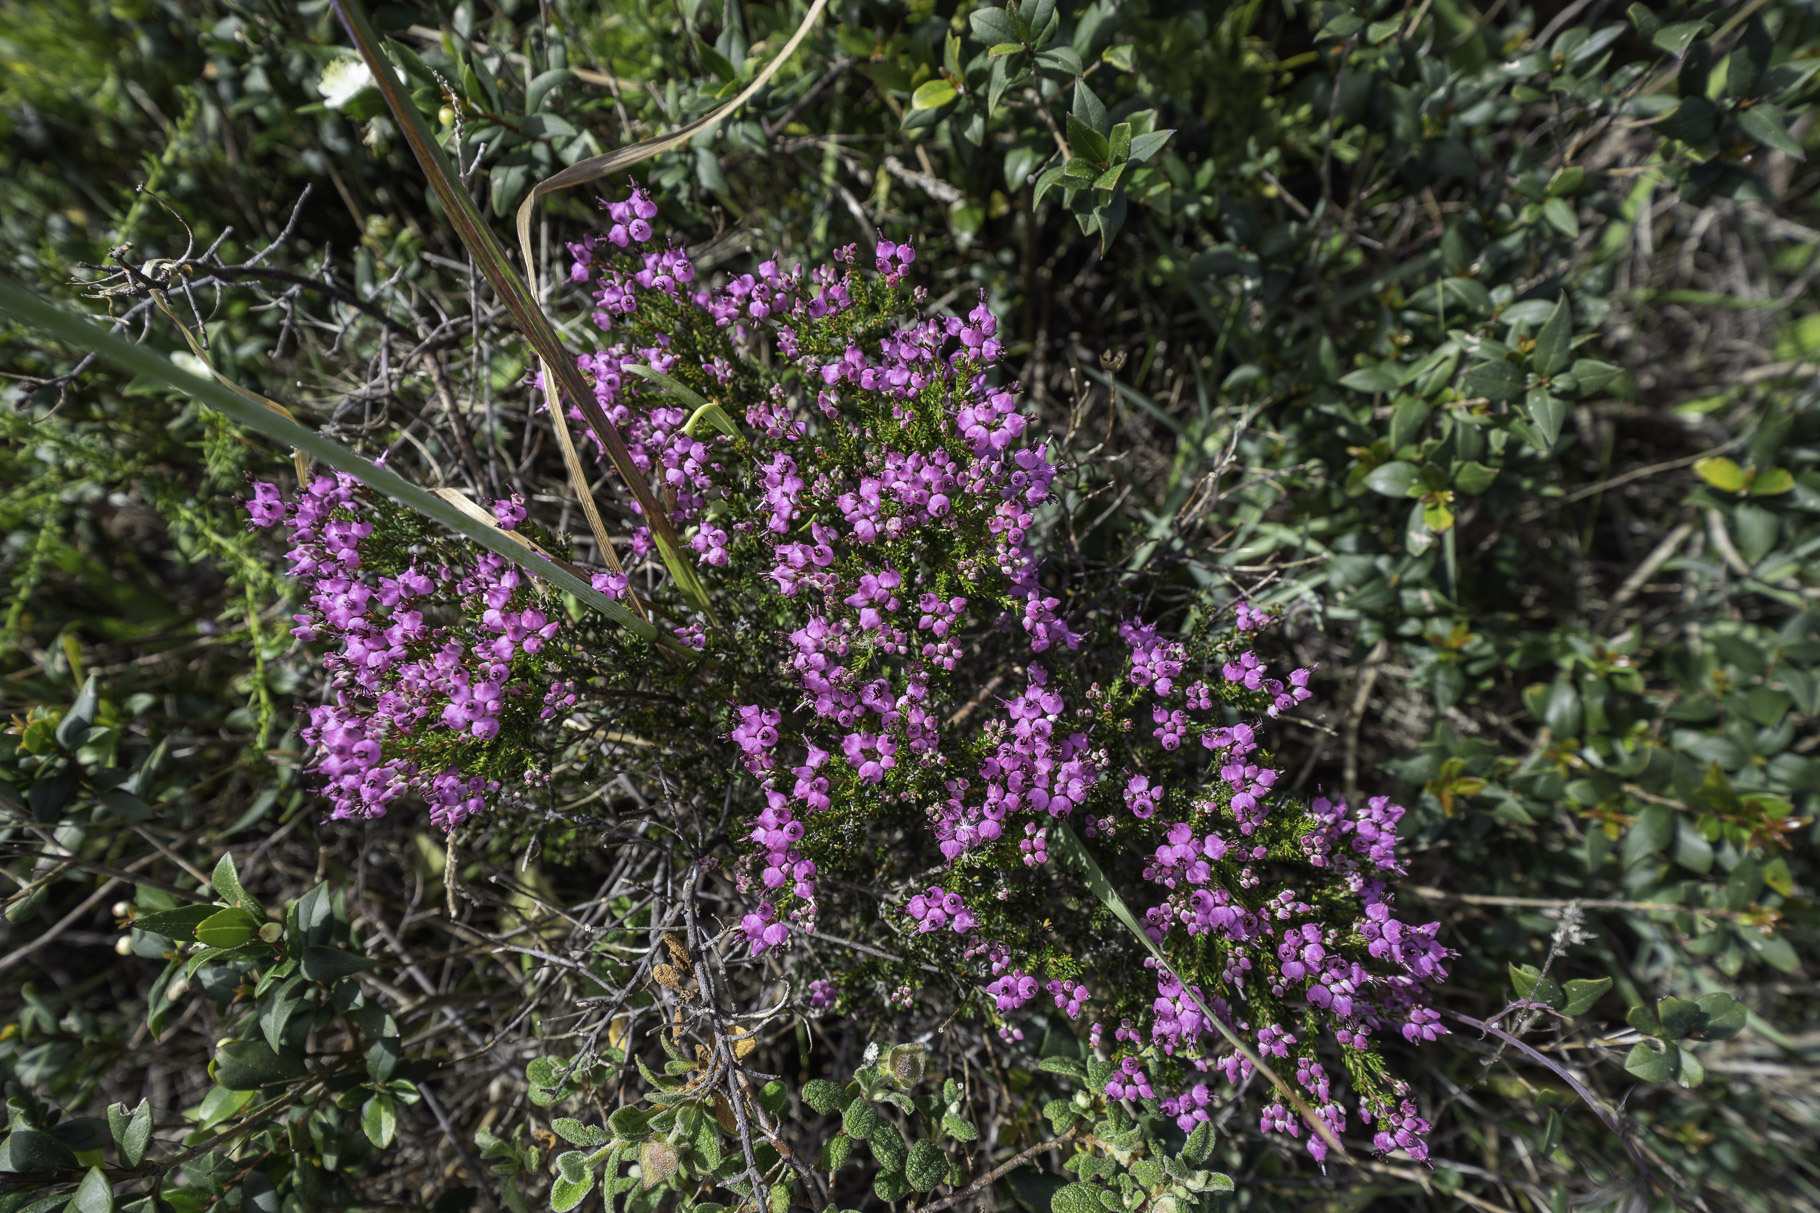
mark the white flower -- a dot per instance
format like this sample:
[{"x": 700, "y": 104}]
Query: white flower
[{"x": 343, "y": 80}]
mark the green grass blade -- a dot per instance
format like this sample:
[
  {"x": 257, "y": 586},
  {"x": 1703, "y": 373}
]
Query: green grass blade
[
  {"x": 705, "y": 410},
  {"x": 683, "y": 392},
  {"x": 137, "y": 360}
]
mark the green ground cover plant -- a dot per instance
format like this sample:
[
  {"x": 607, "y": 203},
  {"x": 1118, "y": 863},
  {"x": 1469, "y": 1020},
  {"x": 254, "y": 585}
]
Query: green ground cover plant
[{"x": 1133, "y": 605}]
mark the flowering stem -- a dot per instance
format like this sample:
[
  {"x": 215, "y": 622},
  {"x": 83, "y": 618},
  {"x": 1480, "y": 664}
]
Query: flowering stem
[{"x": 1068, "y": 845}]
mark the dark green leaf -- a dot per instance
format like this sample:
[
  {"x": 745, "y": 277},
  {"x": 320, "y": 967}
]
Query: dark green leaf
[
  {"x": 1077, "y": 1198},
  {"x": 1474, "y": 478},
  {"x": 1679, "y": 1017},
  {"x": 1777, "y": 952},
  {"x": 227, "y": 884},
  {"x": 1383, "y": 377},
  {"x": 1757, "y": 530},
  {"x": 131, "y": 1132},
  {"x": 1582, "y": 993},
  {"x": 1650, "y": 1065},
  {"x": 258, "y": 1195},
  {"x": 124, "y": 806},
  {"x": 331, "y": 964},
  {"x": 1692, "y": 121},
  {"x": 1650, "y": 834},
  {"x": 926, "y": 1167},
  {"x": 1554, "y": 344},
  {"x": 94, "y": 1194},
  {"x": 1143, "y": 147},
  {"x": 861, "y": 1119},
  {"x": 227, "y": 929},
  {"x": 835, "y": 1152},
  {"x": 1692, "y": 1072},
  {"x": 1110, "y": 218},
  {"x": 1765, "y": 123},
  {"x": 82, "y": 1133},
  {"x": 887, "y": 1145},
  {"x": 73, "y": 729},
  {"x": 1406, "y": 421},
  {"x": 1043, "y": 19},
  {"x": 1747, "y": 65},
  {"x": 1496, "y": 380},
  {"x": 1020, "y": 161},
  {"x": 1088, "y": 108},
  {"x": 1675, "y": 38},
  {"x": 379, "y": 1120},
  {"x": 1561, "y": 216},
  {"x": 247, "y": 1065},
  {"x": 1199, "y": 1147},
  {"x": 823, "y": 1095},
  {"x": 991, "y": 25},
  {"x": 30, "y": 1150},
  {"x": 890, "y": 1186},
  {"x": 179, "y": 924},
  {"x": 545, "y": 126},
  {"x": 1725, "y": 1016},
  {"x": 1087, "y": 143},
  {"x": 1393, "y": 479},
  {"x": 1562, "y": 711},
  {"x": 276, "y": 1009},
  {"x": 1118, "y": 143},
  {"x": 1592, "y": 376},
  {"x": 543, "y": 84},
  {"x": 1343, "y": 26},
  {"x": 1529, "y": 983},
  {"x": 1548, "y": 411}
]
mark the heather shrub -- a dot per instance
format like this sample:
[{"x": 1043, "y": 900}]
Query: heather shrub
[
  {"x": 1239, "y": 632},
  {"x": 934, "y": 719}
]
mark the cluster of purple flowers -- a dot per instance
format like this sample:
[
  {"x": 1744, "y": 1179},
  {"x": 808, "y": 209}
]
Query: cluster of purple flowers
[
  {"x": 400, "y": 684},
  {"x": 817, "y": 525},
  {"x": 1239, "y": 866}
]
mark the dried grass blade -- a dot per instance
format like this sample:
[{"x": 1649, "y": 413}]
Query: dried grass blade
[
  {"x": 561, "y": 378},
  {"x": 596, "y": 167}
]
